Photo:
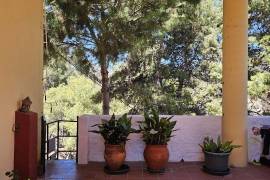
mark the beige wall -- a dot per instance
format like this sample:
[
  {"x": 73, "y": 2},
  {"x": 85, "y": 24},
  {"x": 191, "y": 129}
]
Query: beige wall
[
  {"x": 184, "y": 143},
  {"x": 21, "y": 55}
]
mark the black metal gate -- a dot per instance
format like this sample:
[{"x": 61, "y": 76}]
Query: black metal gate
[{"x": 51, "y": 137}]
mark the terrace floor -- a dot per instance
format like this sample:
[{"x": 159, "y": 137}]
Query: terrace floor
[{"x": 68, "y": 170}]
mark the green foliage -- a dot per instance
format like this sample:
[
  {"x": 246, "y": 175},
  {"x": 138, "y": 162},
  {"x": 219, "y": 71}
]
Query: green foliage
[
  {"x": 72, "y": 99},
  {"x": 156, "y": 130},
  {"x": 75, "y": 98},
  {"x": 259, "y": 84},
  {"x": 56, "y": 72},
  {"x": 67, "y": 101},
  {"x": 171, "y": 62},
  {"x": 169, "y": 70},
  {"x": 180, "y": 73},
  {"x": 95, "y": 35},
  {"x": 207, "y": 91},
  {"x": 259, "y": 93},
  {"x": 13, "y": 175},
  {"x": 217, "y": 147},
  {"x": 115, "y": 131},
  {"x": 259, "y": 57}
]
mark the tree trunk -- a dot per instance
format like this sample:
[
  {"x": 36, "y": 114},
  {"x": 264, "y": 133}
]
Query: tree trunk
[{"x": 105, "y": 89}]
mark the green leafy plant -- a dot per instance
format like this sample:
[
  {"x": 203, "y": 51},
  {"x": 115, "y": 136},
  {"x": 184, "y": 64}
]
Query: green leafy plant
[
  {"x": 13, "y": 175},
  {"x": 209, "y": 145},
  {"x": 156, "y": 130},
  {"x": 115, "y": 131}
]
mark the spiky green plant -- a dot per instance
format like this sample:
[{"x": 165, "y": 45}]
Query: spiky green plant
[
  {"x": 209, "y": 145},
  {"x": 115, "y": 131},
  {"x": 156, "y": 130},
  {"x": 13, "y": 175}
]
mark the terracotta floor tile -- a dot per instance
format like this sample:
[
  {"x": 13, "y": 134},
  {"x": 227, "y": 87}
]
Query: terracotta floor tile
[{"x": 68, "y": 170}]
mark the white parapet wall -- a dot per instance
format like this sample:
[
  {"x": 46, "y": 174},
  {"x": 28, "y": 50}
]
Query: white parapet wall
[{"x": 184, "y": 144}]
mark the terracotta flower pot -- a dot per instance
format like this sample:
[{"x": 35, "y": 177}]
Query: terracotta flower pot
[
  {"x": 114, "y": 156},
  {"x": 156, "y": 157}
]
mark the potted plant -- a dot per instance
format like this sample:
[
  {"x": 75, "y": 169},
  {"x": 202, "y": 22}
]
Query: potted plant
[
  {"x": 13, "y": 175},
  {"x": 156, "y": 132},
  {"x": 217, "y": 155},
  {"x": 115, "y": 133}
]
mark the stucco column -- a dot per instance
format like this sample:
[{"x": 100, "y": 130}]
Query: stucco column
[{"x": 235, "y": 58}]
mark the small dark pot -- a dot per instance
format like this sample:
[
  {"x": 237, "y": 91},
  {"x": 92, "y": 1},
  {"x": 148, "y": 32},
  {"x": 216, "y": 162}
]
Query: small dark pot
[{"x": 217, "y": 162}]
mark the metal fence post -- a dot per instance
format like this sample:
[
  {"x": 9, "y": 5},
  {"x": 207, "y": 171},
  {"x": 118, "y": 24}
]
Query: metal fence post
[
  {"x": 47, "y": 134},
  {"x": 77, "y": 140},
  {"x": 58, "y": 128},
  {"x": 43, "y": 146}
]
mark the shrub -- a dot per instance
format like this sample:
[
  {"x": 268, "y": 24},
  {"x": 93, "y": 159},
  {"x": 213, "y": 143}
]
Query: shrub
[
  {"x": 156, "y": 130},
  {"x": 209, "y": 145},
  {"x": 115, "y": 131}
]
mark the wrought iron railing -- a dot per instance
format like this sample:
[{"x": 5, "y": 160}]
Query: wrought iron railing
[{"x": 50, "y": 146}]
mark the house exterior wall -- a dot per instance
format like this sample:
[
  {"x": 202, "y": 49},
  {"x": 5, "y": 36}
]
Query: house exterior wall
[
  {"x": 184, "y": 144},
  {"x": 21, "y": 63}
]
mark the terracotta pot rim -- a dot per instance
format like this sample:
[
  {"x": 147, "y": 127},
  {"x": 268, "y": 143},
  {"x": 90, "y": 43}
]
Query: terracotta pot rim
[
  {"x": 157, "y": 145},
  {"x": 114, "y": 145}
]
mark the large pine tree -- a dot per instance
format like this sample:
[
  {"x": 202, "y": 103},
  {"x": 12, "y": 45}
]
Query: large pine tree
[{"x": 93, "y": 34}]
